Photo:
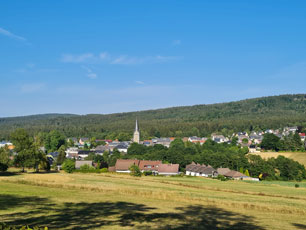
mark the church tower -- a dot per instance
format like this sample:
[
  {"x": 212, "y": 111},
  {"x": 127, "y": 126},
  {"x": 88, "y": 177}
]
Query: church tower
[{"x": 136, "y": 136}]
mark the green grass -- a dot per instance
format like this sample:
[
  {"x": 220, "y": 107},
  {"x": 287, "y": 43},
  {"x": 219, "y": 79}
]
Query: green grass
[{"x": 114, "y": 201}]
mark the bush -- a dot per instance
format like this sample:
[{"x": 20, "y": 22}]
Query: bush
[
  {"x": 222, "y": 178},
  {"x": 68, "y": 166},
  {"x": 297, "y": 185},
  {"x": 85, "y": 167},
  {"x": 135, "y": 171},
  {"x": 104, "y": 170},
  {"x": 147, "y": 173}
]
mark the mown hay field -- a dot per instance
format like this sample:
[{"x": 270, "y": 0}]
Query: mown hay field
[
  {"x": 297, "y": 156},
  {"x": 118, "y": 201}
]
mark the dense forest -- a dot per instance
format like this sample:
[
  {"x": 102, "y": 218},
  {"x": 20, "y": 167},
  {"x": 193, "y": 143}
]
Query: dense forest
[{"x": 200, "y": 120}]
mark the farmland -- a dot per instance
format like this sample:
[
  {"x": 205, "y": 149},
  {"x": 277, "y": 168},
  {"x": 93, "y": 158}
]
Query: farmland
[
  {"x": 114, "y": 201},
  {"x": 297, "y": 156}
]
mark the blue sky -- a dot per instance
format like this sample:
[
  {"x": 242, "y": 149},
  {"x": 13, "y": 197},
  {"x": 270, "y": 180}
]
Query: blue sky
[{"x": 118, "y": 56}]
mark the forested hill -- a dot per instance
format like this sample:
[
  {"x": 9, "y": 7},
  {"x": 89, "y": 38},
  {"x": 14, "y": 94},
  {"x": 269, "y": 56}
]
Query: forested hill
[{"x": 200, "y": 120}]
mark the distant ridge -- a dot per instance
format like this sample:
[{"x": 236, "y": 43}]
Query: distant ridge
[{"x": 248, "y": 114}]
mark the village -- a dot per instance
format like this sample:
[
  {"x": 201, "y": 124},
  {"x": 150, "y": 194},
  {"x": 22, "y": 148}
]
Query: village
[{"x": 82, "y": 148}]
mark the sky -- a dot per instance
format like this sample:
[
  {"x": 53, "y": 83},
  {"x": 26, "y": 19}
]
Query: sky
[{"x": 113, "y": 56}]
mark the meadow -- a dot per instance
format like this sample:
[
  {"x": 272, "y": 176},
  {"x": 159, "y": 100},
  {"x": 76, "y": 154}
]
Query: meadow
[{"x": 119, "y": 201}]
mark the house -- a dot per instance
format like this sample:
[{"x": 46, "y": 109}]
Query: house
[
  {"x": 168, "y": 169},
  {"x": 235, "y": 175},
  {"x": 84, "y": 140},
  {"x": 102, "y": 148},
  {"x": 122, "y": 147},
  {"x": 147, "y": 142},
  {"x": 6, "y": 143},
  {"x": 200, "y": 140},
  {"x": 149, "y": 165},
  {"x": 219, "y": 138},
  {"x": 123, "y": 165},
  {"x": 194, "y": 169},
  {"x": 84, "y": 153},
  {"x": 73, "y": 139},
  {"x": 256, "y": 139},
  {"x": 78, "y": 164},
  {"x": 165, "y": 141},
  {"x": 72, "y": 152},
  {"x": 302, "y": 135},
  {"x": 254, "y": 149}
]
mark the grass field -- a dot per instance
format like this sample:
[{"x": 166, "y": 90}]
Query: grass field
[
  {"x": 297, "y": 156},
  {"x": 114, "y": 201}
]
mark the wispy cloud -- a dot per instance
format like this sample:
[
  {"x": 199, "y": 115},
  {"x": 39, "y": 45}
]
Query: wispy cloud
[
  {"x": 81, "y": 58},
  {"x": 11, "y": 35},
  {"x": 104, "y": 57},
  {"x": 127, "y": 60},
  {"x": 176, "y": 42},
  {"x": 139, "y": 82},
  {"x": 32, "y": 87},
  {"x": 90, "y": 74}
]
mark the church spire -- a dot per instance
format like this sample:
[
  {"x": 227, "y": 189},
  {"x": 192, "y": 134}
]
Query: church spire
[
  {"x": 136, "y": 126},
  {"x": 136, "y": 136}
]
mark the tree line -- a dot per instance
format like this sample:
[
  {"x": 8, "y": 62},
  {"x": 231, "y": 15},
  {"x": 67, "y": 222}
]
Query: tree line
[{"x": 200, "y": 120}]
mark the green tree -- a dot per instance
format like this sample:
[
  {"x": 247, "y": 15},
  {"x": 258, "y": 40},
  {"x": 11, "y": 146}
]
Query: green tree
[
  {"x": 297, "y": 142},
  {"x": 135, "y": 171},
  {"x": 136, "y": 149},
  {"x": 247, "y": 172},
  {"x": 23, "y": 146},
  {"x": 61, "y": 155},
  {"x": 54, "y": 140},
  {"x": 68, "y": 165},
  {"x": 4, "y": 159},
  {"x": 270, "y": 142}
]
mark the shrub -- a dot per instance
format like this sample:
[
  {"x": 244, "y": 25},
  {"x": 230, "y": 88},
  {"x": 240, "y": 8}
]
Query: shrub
[
  {"x": 147, "y": 173},
  {"x": 222, "y": 178},
  {"x": 68, "y": 166},
  {"x": 85, "y": 167},
  {"x": 297, "y": 185},
  {"x": 135, "y": 171},
  {"x": 104, "y": 170}
]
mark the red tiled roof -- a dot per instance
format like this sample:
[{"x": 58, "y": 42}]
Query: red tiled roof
[
  {"x": 302, "y": 134},
  {"x": 143, "y": 165},
  {"x": 168, "y": 168},
  {"x": 123, "y": 164}
]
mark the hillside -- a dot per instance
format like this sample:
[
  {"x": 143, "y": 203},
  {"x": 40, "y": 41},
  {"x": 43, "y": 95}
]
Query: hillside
[{"x": 249, "y": 114}]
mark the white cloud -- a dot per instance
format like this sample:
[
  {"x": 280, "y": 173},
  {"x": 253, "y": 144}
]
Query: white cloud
[
  {"x": 176, "y": 42},
  {"x": 103, "y": 55},
  {"x": 139, "y": 82},
  {"x": 31, "y": 88},
  {"x": 11, "y": 35},
  {"x": 90, "y": 74},
  {"x": 117, "y": 60},
  {"x": 127, "y": 60},
  {"x": 70, "y": 58}
]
